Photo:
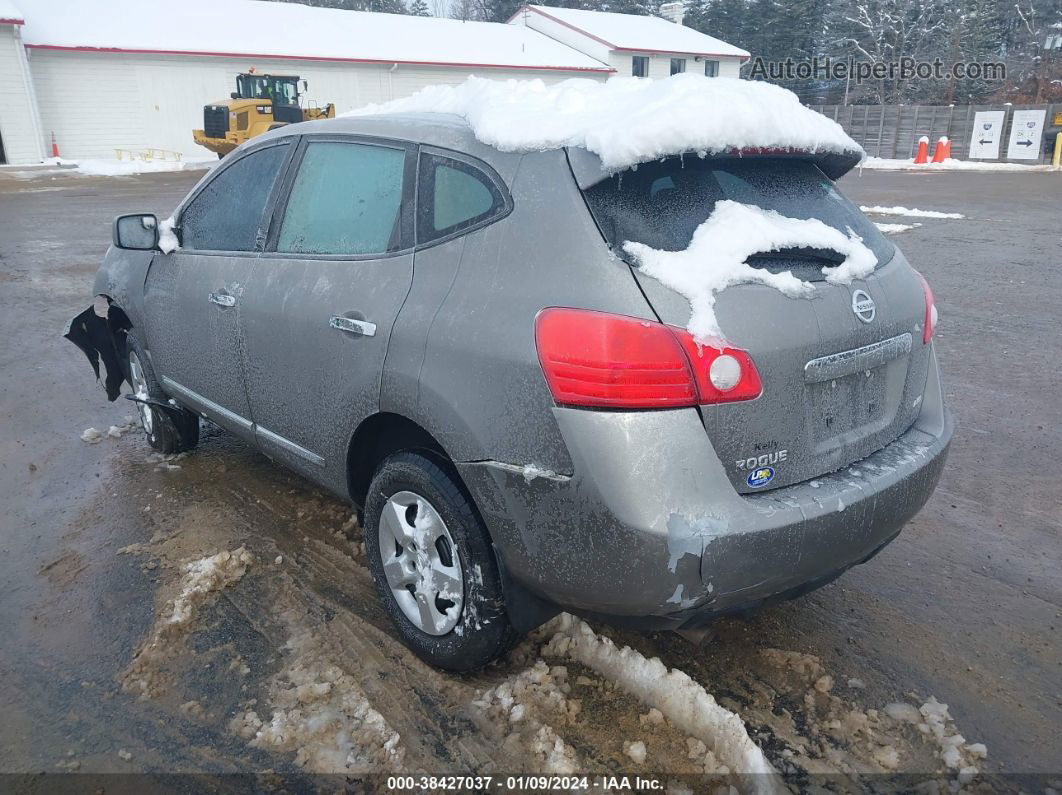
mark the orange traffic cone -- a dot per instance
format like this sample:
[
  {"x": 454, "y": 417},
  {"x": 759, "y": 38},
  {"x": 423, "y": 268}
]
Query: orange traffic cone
[
  {"x": 923, "y": 150},
  {"x": 940, "y": 151},
  {"x": 947, "y": 149},
  {"x": 55, "y": 147}
]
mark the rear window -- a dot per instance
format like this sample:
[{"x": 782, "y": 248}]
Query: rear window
[{"x": 661, "y": 204}]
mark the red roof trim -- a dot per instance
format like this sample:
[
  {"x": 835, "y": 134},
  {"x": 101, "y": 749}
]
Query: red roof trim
[
  {"x": 682, "y": 52},
  {"x": 12, "y": 21},
  {"x": 120, "y": 50},
  {"x": 612, "y": 46}
]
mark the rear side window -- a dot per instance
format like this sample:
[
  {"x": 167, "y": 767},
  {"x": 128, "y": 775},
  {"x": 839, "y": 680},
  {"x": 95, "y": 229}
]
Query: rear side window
[
  {"x": 662, "y": 204},
  {"x": 346, "y": 199},
  {"x": 227, "y": 215},
  {"x": 454, "y": 196}
]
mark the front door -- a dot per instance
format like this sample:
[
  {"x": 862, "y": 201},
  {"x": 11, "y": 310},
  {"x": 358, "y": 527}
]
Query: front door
[
  {"x": 318, "y": 310},
  {"x": 193, "y": 295}
]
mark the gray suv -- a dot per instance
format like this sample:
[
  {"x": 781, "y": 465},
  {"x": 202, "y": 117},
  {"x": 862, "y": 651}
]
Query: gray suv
[{"x": 450, "y": 337}]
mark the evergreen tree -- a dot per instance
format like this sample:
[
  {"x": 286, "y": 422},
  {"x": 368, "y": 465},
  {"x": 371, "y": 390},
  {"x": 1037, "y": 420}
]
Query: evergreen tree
[{"x": 419, "y": 8}]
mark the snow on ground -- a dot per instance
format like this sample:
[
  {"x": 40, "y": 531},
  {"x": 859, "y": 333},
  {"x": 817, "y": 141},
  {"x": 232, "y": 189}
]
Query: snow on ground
[
  {"x": 95, "y": 436},
  {"x": 909, "y": 212},
  {"x": 717, "y": 254},
  {"x": 681, "y": 700},
  {"x": 320, "y": 713},
  {"x": 529, "y": 705},
  {"x": 206, "y": 576},
  {"x": 627, "y": 121},
  {"x": 104, "y": 167},
  {"x": 892, "y": 229},
  {"x": 202, "y": 579},
  {"x": 891, "y": 164}
]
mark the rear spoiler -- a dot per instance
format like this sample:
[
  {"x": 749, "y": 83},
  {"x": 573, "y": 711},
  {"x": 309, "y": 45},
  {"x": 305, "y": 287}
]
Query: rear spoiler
[{"x": 588, "y": 171}]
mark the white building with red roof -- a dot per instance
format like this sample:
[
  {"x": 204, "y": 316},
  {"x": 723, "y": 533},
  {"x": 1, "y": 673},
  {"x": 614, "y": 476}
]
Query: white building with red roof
[{"x": 102, "y": 75}]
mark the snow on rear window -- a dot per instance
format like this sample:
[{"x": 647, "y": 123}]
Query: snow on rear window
[
  {"x": 718, "y": 254},
  {"x": 626, "y": 121}
]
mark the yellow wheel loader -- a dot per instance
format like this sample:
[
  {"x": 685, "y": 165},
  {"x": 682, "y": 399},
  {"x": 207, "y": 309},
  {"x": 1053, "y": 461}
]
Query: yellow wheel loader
[{"x": 259, "y": 103}]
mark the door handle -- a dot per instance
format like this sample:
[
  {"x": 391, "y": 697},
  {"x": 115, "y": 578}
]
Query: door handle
[
  {"x": 363, "y": 328},
  {"x": 223, "y": 299}
]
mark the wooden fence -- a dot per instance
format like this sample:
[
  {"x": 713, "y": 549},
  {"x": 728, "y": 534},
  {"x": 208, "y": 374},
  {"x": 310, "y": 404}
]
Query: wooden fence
[{"x": 892, "y": 131}]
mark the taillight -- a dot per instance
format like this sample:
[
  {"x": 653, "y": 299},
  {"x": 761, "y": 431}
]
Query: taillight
[
  {"x": 612, "y": 361},
  {"x": 930, "y": 323}
]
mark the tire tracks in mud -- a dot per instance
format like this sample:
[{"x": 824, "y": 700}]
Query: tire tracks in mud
[{"x": 312, "y": 620}]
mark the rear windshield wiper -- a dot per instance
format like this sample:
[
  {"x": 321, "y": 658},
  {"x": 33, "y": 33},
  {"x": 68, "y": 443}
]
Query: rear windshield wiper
[{"x": 802, "y": 252}]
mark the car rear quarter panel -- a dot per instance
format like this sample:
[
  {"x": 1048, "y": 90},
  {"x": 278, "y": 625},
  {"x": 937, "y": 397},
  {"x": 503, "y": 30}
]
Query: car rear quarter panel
[{"x": 481, "y": 392}]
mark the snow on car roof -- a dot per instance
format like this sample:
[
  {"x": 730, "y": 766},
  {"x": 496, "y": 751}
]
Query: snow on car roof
[
  {"x": 636, "y": 32},
  {"x": 253, "y": 28},
  {"x": 9, "y": 13},
  {"x": 627, "y": 121}
]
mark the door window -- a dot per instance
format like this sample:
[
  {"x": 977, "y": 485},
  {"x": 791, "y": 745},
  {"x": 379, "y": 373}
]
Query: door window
[
  {"x": 227, "y": 215},
  {"x": 347, "y": 199},
  {"x": 453, "y": 196}
]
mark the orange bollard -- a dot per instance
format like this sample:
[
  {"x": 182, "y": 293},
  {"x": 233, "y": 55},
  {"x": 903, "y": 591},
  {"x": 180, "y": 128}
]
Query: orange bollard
[
  {"x": 940, "y": 150},
  {"x": 923, "y": 151},
  {"x": 55, "y": 147}
]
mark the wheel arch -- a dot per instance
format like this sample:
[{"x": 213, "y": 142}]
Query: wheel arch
[{"x": 381, "y": 435}]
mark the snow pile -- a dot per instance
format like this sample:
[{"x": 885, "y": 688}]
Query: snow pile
[
  {"x": 680, "y": 699},
  {"x": 934, "y": 721},
  {"x": 527, "y": 706},
  {"x": 892, "y": 229},
  {"x": 322, "y": 714},
  {"x": 906, "y": 211},
  {"x": 627, "y": 121},
  {"x": 717, "y": 254},
  {"x": 125, "y": 168},
  {"x": 205, "y": 576},
  {"x": 891, "y": 164},
  {"x": 95, "y": 436}
]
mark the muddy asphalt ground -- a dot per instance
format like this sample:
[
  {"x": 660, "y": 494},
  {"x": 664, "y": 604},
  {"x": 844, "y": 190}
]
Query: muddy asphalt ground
[{"x": 966, "y": 605}]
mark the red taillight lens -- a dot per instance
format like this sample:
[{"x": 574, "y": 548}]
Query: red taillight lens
[
  {"x": 613, "y": 361},
  {"x": 930, "y": 323}
]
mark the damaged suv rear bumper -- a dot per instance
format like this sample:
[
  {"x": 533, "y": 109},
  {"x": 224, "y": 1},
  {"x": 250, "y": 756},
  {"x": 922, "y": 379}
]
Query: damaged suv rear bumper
[{"x": 647, "y": 531}]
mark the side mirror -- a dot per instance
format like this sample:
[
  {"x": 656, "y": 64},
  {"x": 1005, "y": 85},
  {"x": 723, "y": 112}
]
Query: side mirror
[
  {"x": 234, "y": 95},
  {"x": 305, "y": 86},
  {"x": 136, "y": 232}
]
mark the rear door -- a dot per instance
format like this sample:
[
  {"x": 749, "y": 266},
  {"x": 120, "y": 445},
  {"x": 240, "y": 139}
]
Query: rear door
[
  {"x": 193, "y": 295},
  {"x": 321, "y": 302},
  {"x": 838, "y": 383}
]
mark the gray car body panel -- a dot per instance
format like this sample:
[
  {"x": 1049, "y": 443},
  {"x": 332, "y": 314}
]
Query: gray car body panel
[{"x": 608, "y": 513}]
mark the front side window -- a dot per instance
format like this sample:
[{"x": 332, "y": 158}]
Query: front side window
[
  {"x": 711, "y": 68},
  {"x": 453, "y": 196},
  {"x": 640, "y": 66},
  {"x": 227, "y": 215},
  {"x": 678, "y": 65},
  {"x": 347, "y": 199}
]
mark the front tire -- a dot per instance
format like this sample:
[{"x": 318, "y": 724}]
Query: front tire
[
  {"x": 433, "y": 564},
  {"x": 168, "y": 431}
]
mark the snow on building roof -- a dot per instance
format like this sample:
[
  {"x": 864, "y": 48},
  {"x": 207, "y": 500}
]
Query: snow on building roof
[
  {"x": 9, "y": 13},
  {"x": 636, "y": 33},
  {"x": 629, "y": 120},
  {"x": 256, "y": 28}
]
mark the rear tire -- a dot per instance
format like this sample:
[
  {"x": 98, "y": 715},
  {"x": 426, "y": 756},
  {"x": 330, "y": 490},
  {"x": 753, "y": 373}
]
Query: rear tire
[
  {"x": 169, "y": 431},
  {"x": 418, "y": 581}
]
